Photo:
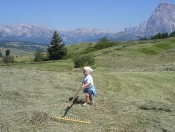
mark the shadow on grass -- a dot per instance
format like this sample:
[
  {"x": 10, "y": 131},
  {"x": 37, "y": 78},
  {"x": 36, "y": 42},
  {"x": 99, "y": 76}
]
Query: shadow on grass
[{"x": 76, "y": 100}]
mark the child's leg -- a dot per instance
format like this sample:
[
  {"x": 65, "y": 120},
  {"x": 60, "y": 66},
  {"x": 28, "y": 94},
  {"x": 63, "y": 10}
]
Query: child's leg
[
  {"x": 90, "y": 95},
  {"x": 90, "y": 98},
  {"x": 86, "y": 99}
]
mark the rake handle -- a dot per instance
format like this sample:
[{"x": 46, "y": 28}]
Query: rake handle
[
  {"x": 72, "y": 102},
  {"x": 75, "y": 96}
]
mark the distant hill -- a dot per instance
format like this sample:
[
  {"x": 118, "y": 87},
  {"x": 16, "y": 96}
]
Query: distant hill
[
  {"x": 161, "y": 20},
  {"x": 26, "y": 46},
  {"x": 21, "y": 48}
]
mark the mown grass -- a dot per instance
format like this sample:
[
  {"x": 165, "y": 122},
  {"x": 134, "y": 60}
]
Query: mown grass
[
  {"x": 126, "y": 101},
  {"x": 135, "y": 92},
  {"x": 60, "y": 65}
]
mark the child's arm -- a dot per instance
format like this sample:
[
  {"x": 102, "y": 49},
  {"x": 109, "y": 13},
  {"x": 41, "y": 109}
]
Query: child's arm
[{"x": 85, "y": 85}]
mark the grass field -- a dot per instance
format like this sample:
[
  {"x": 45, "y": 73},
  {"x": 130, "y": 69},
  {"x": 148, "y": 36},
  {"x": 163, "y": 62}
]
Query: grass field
[{"x": 135, "y": 92}]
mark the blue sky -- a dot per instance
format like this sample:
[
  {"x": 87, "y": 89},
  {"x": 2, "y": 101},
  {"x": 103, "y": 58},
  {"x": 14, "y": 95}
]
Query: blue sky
[{"x": 110, "y": 15}]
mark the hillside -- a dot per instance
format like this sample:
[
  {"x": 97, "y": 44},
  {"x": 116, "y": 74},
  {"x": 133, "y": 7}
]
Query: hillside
[
  {"x": 135, "y": 90},
  {"x": 152, "y": 55}
]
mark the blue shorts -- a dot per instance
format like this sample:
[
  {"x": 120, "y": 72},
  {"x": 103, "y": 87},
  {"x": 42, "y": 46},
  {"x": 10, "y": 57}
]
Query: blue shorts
[{"x": 86, "y": 90}]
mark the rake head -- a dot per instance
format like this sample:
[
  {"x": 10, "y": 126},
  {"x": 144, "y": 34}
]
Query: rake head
[{"x": 70, "y": 120}]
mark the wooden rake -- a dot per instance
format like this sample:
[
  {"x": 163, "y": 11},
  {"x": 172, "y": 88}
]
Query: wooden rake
[{"x": 68, "y": 119}]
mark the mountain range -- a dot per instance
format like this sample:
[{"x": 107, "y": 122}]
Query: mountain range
[{"x": 161, "y": 20}]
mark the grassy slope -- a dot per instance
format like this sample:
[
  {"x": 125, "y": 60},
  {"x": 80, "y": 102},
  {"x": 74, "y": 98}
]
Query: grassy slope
[
  {"x": 153, "y": 56},
  {"x": 135, "y": 91}
]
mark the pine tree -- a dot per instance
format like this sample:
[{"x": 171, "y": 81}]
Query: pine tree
[
  {"x": 1, "y": 54},
  {"x": 172, "y": 34},
  {"x": 57, "y": 49},
  {"x": 7, "y": 52}
]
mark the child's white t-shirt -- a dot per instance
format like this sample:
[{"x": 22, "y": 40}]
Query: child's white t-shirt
[{"x": 88, "y": 79}]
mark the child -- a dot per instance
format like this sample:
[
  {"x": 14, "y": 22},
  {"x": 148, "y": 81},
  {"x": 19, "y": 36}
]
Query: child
[{"x": 88, "y": 85}]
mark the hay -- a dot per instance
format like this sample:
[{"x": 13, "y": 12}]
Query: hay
[
  {"x": 156, "y": 106},
  {"x": 39, "y": 118}
]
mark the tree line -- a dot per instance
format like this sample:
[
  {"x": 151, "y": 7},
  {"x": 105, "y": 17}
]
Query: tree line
[{"x": 160, "y": 36}]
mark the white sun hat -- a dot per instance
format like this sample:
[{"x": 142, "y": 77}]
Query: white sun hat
[{"x": 87, "y": 68}]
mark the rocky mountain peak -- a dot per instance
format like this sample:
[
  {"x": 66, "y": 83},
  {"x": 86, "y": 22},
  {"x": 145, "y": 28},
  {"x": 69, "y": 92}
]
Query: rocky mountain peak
[
  {"x": 165, "y": 5},
  {"x": 162, "y": 19}
]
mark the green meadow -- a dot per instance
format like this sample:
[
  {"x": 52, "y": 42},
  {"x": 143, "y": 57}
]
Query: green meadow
[{"x": 135, "y": 90}]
